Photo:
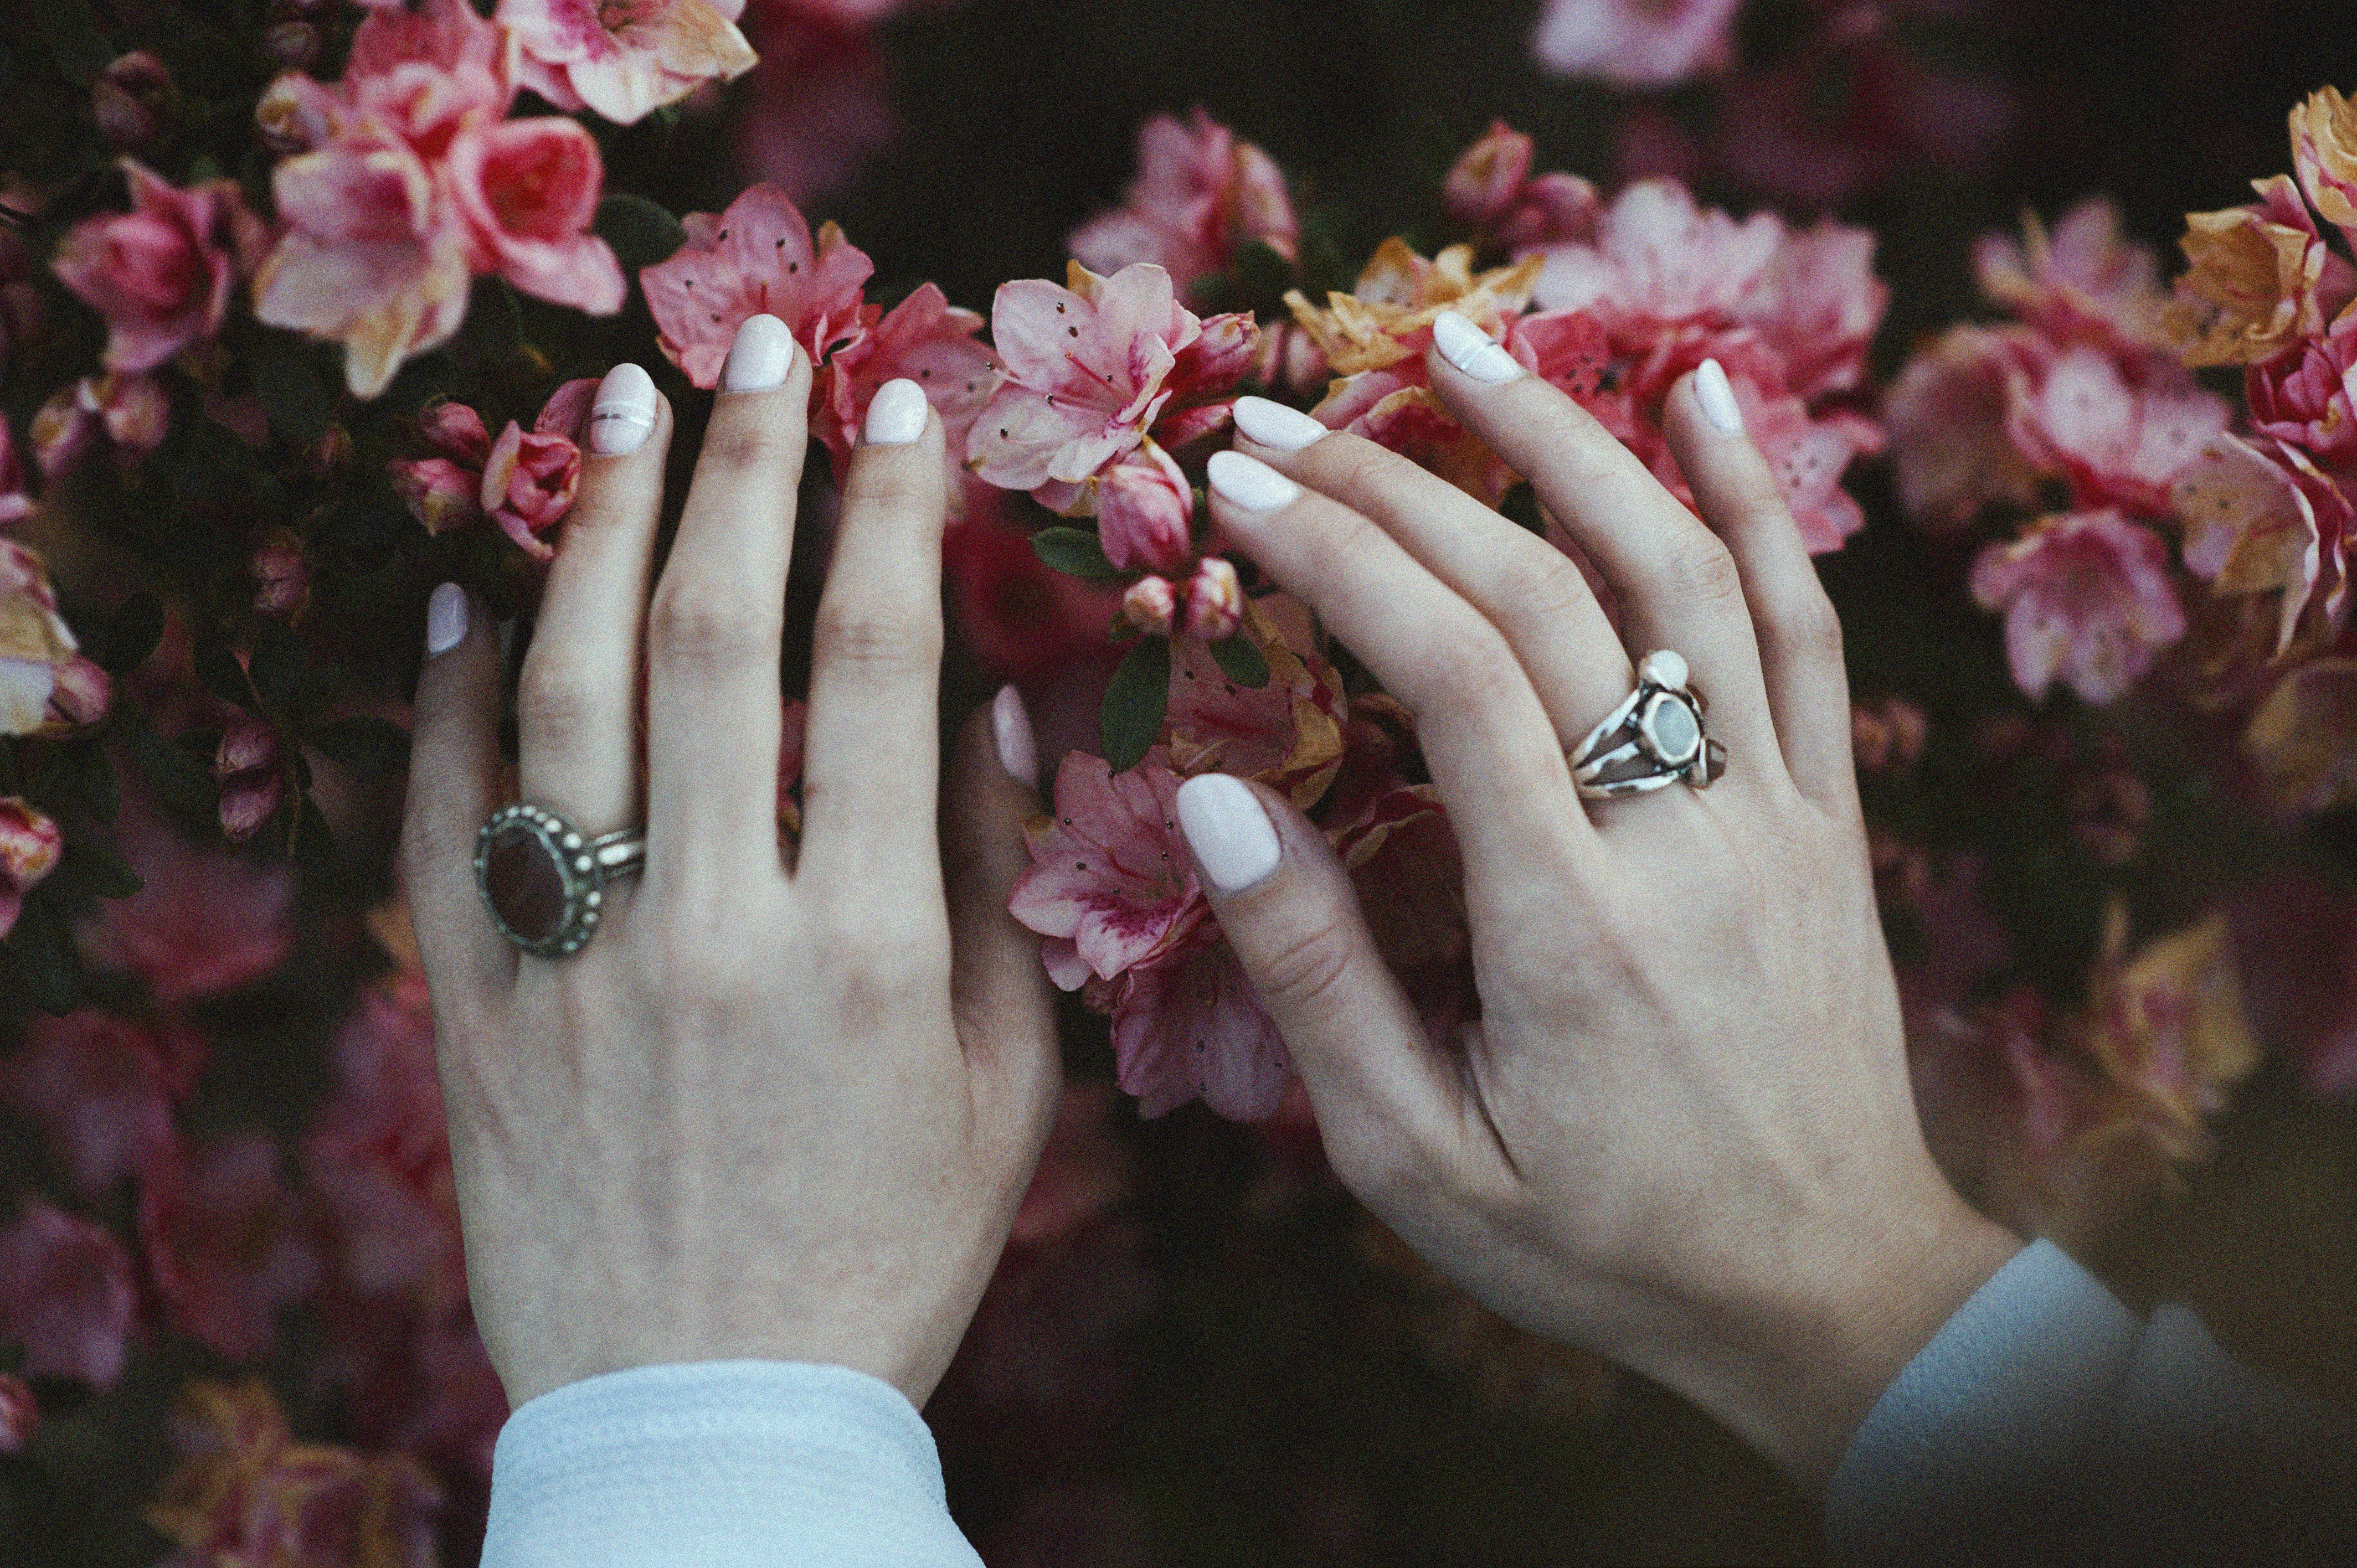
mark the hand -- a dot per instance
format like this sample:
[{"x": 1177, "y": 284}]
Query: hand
[
  {"x": 1680, "y": 1132},
  {"x": 768, "y": 1112}
]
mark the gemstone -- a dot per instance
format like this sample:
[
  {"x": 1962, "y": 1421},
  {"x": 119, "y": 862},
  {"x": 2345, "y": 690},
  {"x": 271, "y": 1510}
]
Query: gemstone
[
  {"x": 525, "y": 882},
  {"x": 1671, "y": 725},
  {"x": 1663, "y": 668}
]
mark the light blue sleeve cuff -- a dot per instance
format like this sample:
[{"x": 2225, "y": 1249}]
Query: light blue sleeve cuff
[
  {"x": 721, "y": 1465},
  {"x": 2045, "y": 1423}
]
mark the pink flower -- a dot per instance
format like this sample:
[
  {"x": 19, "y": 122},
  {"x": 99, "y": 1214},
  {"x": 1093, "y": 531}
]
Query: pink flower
[
  {"x": 1490, "y": 188},
  {"x": 1196, "y": 1026},
  {"x": 924, "y": 338},
  {"x": 379, "y": 1154},
  {"x": 2259, "y": 517},
  {"x": 1201, "y": 196},
  {"x": 756, "y": 257},
  {"x": 2084, "y": 282},
  {"x": 1658, "y": 261},
  {"x": 1636, "y": 43},
  {"x": 527, "y": 191},
  {"x": 375, "y": 256},
  {"x": 1151, "y": 604},
  {"x": 161, "y": 274},
  {"x": 2261, "y": 279},
  {"x": 1949, "y": 417},
  {"x": 1111, "y": 883},
  {"x": 1145, "y": 512},
  {"x": 2086, "y": 597},
  {"x": 1215, "y": 600},
  {"x": 1021, "y": 619},
  {"x": 66, "y": 1294},
  {"x": 101, "y": 1089},
  {"x": 1086, "y": 371},
  {"x": 248, "y": 769},
  {"x": 624, "y": 58},
  {"x": 30, "y": 845},
  {"x": 2120, "y": 445},
  {"x": 205, "y": 923},
  {"x": 226, "y": 1245},
  {"x": 2303, "y": 396},
  {"x": 134, "y": 101},
  {"x": 1818, "y": 304},
  {"x": 529, "y": 482},
  {"x": 1286, "y": 733}
]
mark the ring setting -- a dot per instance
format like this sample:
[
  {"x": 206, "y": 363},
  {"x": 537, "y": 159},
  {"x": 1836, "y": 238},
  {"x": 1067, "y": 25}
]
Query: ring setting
[
  {"x": 1652, "y": 738},
  {"x": 544, "y": 881}
]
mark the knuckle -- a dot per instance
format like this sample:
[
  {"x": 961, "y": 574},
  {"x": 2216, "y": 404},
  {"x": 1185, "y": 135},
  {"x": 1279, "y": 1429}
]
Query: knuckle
[
  {"x": 1360, "y": 465},
  {"x": 1702, "y": 569},
  {"x": 896, "y": 489},
  {"x": 1810, "y": 626},
  {"x": 1377, "y": 1166},
  {"x": 1307, "y": 970},
  {"x": 889, "y": 640},
  {"x": 692, "y": 623},
  {"x": 1471, "y": 669},
  {"x": 749, "y": 446},
  {"x": 554, "y": 705},
  {"x": 1540, "y": 584}
]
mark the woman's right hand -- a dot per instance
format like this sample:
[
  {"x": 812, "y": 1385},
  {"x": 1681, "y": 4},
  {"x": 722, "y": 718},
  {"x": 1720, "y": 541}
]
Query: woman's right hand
[{"x": 1680, "y": 1132}]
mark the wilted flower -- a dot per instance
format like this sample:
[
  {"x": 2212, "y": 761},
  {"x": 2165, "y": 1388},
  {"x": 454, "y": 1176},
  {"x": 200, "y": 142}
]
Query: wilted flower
[
  {"x": 2324, "y": 154},
  {"x": 2304, "y": 737},
  {"x": 2086, "y": 597},
  {"x": 1201, "y": 196},
  {"x": 2261, "y": 279},
  {"x": 624, "y": 60},
  {"x": 35, "y": 643}
]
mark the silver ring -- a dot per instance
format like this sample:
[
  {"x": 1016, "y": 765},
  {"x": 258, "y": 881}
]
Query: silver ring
[
  {"x": 544, "y": 881},
  {"x": 1652, "y": 738}
]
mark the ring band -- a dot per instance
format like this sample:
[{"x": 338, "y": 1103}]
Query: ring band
[
  {"x": 1653, "y": 737},
  {"x": 544, "y": 881}
]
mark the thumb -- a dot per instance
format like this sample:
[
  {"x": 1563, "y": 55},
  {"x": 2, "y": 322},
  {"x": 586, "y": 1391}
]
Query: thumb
[
  {"x": 1389, "y": 1101},
  {"x": 1000, "y": 1000}
]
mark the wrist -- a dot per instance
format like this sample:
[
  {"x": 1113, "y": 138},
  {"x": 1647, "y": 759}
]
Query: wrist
[{"x": 1801, "y": 1363}]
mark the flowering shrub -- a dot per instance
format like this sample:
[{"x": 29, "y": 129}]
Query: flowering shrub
[{"x": 299, "y": 336}]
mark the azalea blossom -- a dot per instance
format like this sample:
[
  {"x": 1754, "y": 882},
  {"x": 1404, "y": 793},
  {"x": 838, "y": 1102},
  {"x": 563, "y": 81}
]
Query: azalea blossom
[
  {"x": 527, "y": 192},
  {"x": 2169, "y": 1021},
  {"x": 1286, "y": 733},
  {"x": 2084, "y": 281},
  {"x": 1202, "y": 195},
  {"x": 1195, "y": 1027},
  {"x": 759, "y": 257},
  {"x": 625, "y": 60},
  {"x": 924, "y": 338},
  {"x": 1491, "y": 188},
  {"x": 2260, "y": 517},
  {"x": 2262, "y": 278},
  {"x": 1636, "y": 43},
  {"x": 100, "y": 1088},
  {"x": 2086, "y": 597},
  {"x": 1111, "y": 883},
  {"x": 66, "y": 1294},
  {"x": 161, "y": 274},
  {"x": 1658, "y": 261},
  {"x": 1144, "y": 511},
  {"x": 30, "y": 846},
  {"x": 204, "y": 923},
  {"x": 524, "y": 481},
  {"x": 227, "y": 1244},
  {"x": 36, "y": 645},
  {"x": 2119, "y": 444}
]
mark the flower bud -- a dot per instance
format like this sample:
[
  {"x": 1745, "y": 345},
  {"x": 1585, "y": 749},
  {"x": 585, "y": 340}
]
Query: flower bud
[
  {"x": 81, "y": 695},
  {"x": 1215, "y": 600},
  {"x": 133, "y": 102},
  {"x": 331, "y": 453},
  {"x": 1151, "y": 606},
  {"x": 246, "y": 766},
  {"x": 1145, "y": 509},
  {"x": 1487, "y": 178},
  {"x": 20, "y": 1412},
  {"x": 438, "y": 492},
  {"x": 134, "y": 410},
  {"x": 283, "y": 580},
  {"x": 63, "y": 433},
  {"x": 454, "y": 430},
  {"x": 30, "y": 844},
  {"x": 294, "y": 45},
  {"x": 529, "y": 482}
]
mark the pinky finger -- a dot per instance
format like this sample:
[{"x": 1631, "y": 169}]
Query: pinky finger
[
  {"x": 1799, "y": 636},
  {"x": 454, "y": 784}
]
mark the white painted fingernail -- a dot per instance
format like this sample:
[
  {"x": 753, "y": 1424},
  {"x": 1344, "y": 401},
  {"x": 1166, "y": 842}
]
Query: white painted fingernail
[
  {"x": 1471, "y": 350},
  {"x": 1273, "y": 424},
  {"x": 445, "y": 619},
  {"x": 758, "y": 357},
  {"x": 1250, "y": 483},
  {"x": 1234, "y": 842},
  {"x": 1010, "y": 724},
  {"x": 896, "y": 414},
  {"x": 624, "y": 414},
  {"x": 1717, "y": 399}
]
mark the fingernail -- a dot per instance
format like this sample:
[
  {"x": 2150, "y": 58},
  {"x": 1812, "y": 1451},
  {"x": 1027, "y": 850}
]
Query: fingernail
[
  {"x": 1472, "y": 350},
  {"x": 1250, "y": 483},
  {"x": 1273, "y": 424},
  {"x": 896, "y": 414},
  {"x": 1010, "y": 722},
  {"x": 624, "y": 413},
  {"x": 1233, "y": 841},
  {"x": 445, "y": 619},
  {"x": 1717, "y": 399},
  {"x": 758, "y": 357}
]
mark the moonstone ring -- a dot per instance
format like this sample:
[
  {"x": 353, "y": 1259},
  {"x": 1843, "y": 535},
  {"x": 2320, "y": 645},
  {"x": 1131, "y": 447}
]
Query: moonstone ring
[
  {"x": 544, "y": 881},
  {"x": 1654, "y": 737}
]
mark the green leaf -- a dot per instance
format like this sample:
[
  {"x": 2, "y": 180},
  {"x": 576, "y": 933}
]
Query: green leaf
[
  {"x": 41, "y": 953},
  {"x": 364, "y": 743},
  {"x": 1241, "y": 661},
  {"x": 1263, "y": 274},
  {"x": 1522, "y": 506},
  {"x": 1131, "y": 719},
  {"x": 96, "y": 868},
  {"x": 311, "y": 844},
  {"x": 223, "y": 676},
  {"x": 183, "y": 781},
  {"x": 276, "y": 664},
  {"x": 1075, "y": 551},
  {"x": 77, "y": 47},
  {"x": 640, "y": 231},
  {"x": 291, "y": 392},
  {"x": 76, "y": 774},
  {"x": 130, "y": 636}
]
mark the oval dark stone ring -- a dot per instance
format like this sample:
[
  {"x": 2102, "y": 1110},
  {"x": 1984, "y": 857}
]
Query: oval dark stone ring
[
  {"x": 1652, "y": 738},
  {"x": 544, "y": 881}
]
